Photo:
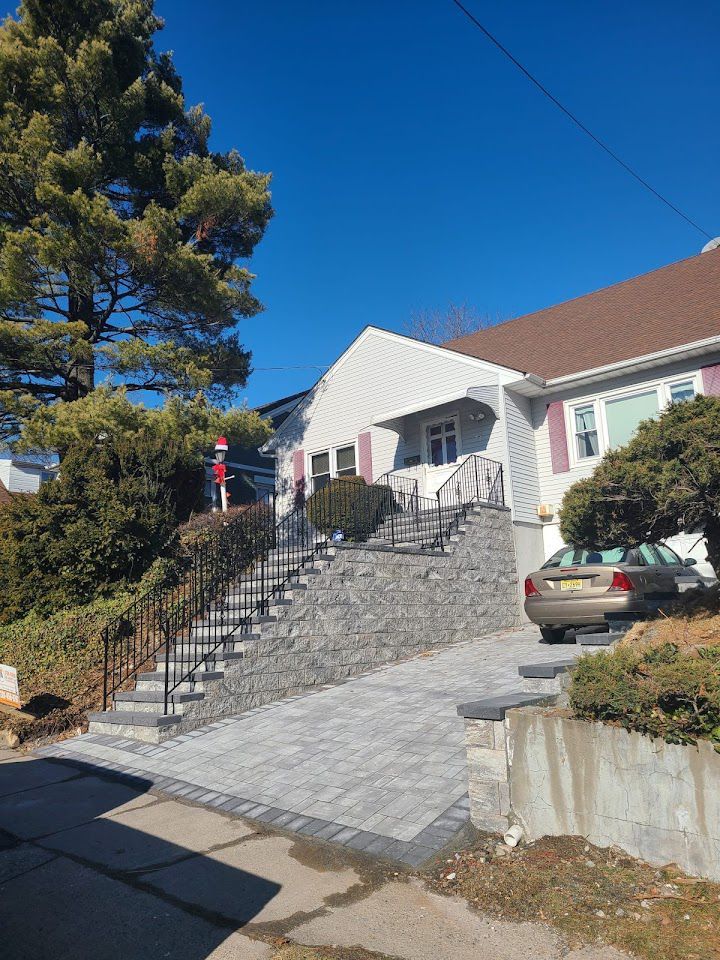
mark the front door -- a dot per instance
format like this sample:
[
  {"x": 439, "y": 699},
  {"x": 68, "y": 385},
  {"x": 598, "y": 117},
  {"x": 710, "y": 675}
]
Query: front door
[{"x": 442, "y": 450}]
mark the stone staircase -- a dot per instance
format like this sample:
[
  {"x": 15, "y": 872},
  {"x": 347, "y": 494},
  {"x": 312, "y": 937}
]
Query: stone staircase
[
  {"x": 349, "y": 608},
  {"x": 139, "y": 712}
]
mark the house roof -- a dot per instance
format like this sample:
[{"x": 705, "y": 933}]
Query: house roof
[
  {"x": 266, "y": 408},
  {"x": 670, "y": 307}
]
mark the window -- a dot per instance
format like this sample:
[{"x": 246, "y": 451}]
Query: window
[
  {"x": 624, "y": 415},
  {"x": 578, "y": 557},
  {"x": 684, "y": 390},
  {"x": 610, "y": 421},
  {"x": 442, "y": 442},
  {"x": 586, "y": 435},
  {"x": 668, "y": 557},
  {"x": 336, "y": 462},
  {"x": 319, "y": 471},
  {"x": 345, "y": 462},
  {"x": 647, "y": 555}
]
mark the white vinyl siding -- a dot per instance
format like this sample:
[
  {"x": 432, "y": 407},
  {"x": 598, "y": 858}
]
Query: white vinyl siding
[
  {"x": 523, "y": 473},
  {"x": 554, "y": 485},
  {"x": 381, "y": 374}
]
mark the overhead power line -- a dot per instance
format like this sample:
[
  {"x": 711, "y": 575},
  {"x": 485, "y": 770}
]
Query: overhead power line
[{"x": 578, "y": 123}]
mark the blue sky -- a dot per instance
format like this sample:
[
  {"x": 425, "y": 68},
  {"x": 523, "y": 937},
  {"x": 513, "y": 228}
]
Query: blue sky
[{"x": 413, "y": 165}]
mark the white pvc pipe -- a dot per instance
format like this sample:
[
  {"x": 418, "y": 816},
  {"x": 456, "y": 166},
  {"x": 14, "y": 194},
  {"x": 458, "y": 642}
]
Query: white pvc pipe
[{"x": 513, "y": 836}]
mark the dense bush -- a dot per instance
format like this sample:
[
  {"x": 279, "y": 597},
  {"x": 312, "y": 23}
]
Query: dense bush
[
  {"x": 666, "y": 479},
  {"x": 98, "y": 526},
  {"x": 660, "y": 691},
  {"x": 59, "y": 660},
  {"x": 350, "y": 505}
]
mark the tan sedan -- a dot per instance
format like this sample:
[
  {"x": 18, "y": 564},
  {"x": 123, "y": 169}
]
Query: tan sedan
[{"x": 578, "y": 587}]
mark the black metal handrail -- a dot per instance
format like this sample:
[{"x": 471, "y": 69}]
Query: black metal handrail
[
  {"x": 408, "y": 486},
  {"x": 477, "y": 480},
  {"x": 230, "y": 576},
  {"x": 169, "y": 609}
]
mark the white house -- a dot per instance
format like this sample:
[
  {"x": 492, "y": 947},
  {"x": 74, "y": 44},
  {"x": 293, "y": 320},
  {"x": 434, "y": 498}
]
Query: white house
[
  {"x": 24, "y": 473},
  {"x": 545, "y": 394}
]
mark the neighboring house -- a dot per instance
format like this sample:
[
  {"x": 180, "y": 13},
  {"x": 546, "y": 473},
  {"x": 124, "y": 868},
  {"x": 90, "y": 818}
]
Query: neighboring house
[
  {"x": 25, "y": 472},
  {"x": 545, "y": 395},
  {"x": 253, "y": 472}
]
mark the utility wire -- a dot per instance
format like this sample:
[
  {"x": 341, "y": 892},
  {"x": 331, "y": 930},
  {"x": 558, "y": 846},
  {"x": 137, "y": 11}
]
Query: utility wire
[{"x": 576, "y": 121}]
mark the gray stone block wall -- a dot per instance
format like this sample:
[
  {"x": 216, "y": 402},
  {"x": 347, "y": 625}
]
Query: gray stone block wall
[{"x": 371, "y": 606}]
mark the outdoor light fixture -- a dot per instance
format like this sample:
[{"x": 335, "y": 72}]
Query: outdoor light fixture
[{"x": 221, "y": 449}]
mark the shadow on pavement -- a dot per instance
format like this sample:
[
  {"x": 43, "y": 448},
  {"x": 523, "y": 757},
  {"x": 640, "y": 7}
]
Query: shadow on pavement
[{"x": 76, "y": 883}]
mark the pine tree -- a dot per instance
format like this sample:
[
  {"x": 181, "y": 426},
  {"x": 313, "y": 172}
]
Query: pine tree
[{"x": 120, "y": 231}]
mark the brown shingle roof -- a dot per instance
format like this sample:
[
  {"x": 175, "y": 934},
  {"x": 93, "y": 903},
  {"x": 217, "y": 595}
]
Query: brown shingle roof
[{"x": 669, "y": 307}]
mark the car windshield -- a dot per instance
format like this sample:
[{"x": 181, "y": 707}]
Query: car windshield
[{"x": 579, "y": 557}]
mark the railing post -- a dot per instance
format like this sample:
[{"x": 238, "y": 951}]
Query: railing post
[
  {"x": 106, "y": 638},
  {"x": 163, "y": 630},
  {"x": 392, "y": 517},
  {"x": 502, "y": 486},
  {"x": 440, "y": 526},
  {"x": 477, "y": 479}
]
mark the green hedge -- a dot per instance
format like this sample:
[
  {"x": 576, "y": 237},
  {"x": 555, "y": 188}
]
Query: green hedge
[
  {"x": 350, "y": 505},
  {"x": 659, "y": 691}
]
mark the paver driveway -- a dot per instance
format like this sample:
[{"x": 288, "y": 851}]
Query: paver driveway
[{"x": 377, "y": 763}]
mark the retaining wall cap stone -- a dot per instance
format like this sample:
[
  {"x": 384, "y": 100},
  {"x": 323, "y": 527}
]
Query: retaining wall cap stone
[
  {"x": 545, "y": 671},
  {"x": 495, "y": 708}
]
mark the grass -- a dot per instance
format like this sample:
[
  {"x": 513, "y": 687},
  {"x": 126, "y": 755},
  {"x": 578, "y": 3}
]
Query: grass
[{"x": 589, "y": 894}]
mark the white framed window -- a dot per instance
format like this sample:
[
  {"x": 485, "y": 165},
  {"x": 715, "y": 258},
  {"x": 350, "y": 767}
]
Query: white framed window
[
  {"x": 587, "y": 441},
  {"x": 323, "y": 466},
  {"x": 442, "y": 440},
  {"x": 610, "y": 420}
]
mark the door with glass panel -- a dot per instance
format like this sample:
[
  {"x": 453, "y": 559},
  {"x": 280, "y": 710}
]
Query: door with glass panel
[{"x": 442, "y": 443}]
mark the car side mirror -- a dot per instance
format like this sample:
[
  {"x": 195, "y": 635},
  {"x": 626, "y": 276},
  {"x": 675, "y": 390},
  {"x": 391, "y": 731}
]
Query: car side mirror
[{"x": 689, "y": 562}]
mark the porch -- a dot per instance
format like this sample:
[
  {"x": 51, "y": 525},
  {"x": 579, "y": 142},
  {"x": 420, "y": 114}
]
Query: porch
[{"x": 436, "y": 437}]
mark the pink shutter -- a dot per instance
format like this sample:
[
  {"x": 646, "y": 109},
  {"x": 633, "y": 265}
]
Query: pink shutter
[
  {"x": 711, "y": 379},
  {"x": 365, "y": 464},
  {"x": 298, "y": 465},
  {"x": 558, "y": 438}
]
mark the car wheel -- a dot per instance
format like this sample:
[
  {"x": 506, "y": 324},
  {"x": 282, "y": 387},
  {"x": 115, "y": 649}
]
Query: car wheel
[{"x": 553, "y": 634}]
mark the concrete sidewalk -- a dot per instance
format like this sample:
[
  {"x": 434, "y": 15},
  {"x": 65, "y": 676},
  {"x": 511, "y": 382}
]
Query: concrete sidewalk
[
  {"x": 377, "y": 763},
  {"x": 92, "y": 868}
]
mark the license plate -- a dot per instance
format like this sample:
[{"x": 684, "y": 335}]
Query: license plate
[{"x": 571, "y": 584}]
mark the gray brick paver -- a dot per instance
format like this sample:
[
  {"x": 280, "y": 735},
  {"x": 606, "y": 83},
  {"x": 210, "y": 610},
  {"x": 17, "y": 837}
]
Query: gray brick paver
[{"x": 383, "y": 753}]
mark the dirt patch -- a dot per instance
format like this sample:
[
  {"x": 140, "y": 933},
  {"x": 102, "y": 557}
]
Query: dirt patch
[
  {"x": 590, "y": 895},
  {"x": 294, "y": 952},
  {"x": 692, "y": 622}
]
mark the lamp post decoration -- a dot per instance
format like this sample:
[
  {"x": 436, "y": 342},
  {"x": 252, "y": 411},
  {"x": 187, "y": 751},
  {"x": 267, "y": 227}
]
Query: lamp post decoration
[{"x": 220, "y": 470}]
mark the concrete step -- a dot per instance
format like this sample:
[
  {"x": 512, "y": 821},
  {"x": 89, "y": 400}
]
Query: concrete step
[
  {"x": 152, "y": 701},
  {"x": 210, "y": 663},
  {"x": 137, "y": 724},
  {"x": 195, "y": 684}
]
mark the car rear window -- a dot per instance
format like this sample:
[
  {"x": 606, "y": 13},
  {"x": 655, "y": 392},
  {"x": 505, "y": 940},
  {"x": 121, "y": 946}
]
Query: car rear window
[{"x": 578, "y": 557}]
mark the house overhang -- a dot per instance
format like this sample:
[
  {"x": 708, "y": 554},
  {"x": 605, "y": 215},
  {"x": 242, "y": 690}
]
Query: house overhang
[
  {"x": 486, "y": 396},
  {"x": 533, "y": 386}
]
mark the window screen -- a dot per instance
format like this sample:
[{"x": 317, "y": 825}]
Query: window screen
[{"x": 345, "y": 461}]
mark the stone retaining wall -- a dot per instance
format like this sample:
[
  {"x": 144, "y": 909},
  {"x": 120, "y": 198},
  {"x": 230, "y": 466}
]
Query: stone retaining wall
[
  {"x": 556, "y": 776},
  {"x": 371, "y": 606}
]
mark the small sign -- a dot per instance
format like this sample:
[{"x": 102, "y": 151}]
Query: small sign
[{"x": 9, "y": 690}]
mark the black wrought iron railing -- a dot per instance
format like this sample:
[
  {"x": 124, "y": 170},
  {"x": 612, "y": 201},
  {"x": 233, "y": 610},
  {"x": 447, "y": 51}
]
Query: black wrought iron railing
[
  {"x": 477, "y": 480},
  {"x": 408, "y": 486},
  {"x": 233, "y": 571},
  {"x": 168, "y": 616}
]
